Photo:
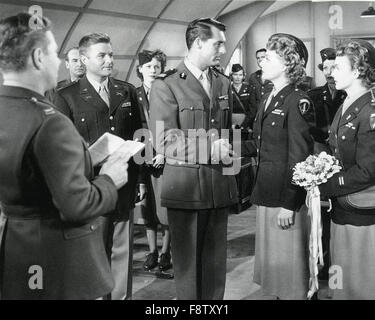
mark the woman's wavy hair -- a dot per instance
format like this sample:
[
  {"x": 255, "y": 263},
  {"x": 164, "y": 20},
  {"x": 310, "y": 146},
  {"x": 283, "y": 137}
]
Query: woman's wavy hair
[
  {"x": 287, "y": 50},
  {"x": 359, "y": 59},
  {"x": 159, "y": 56}
]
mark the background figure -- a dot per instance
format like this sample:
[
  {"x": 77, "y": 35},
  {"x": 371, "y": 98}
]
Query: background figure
[
  {"x": 258, "y": 84},
  {"x": 151, "y": 64},
  {"x": 96, "y": 104},
  {"x": 76, "y": 71},
  {"x": 242, "y": 118},
  {"x": 282, "y": 138},
  {"x": 352, "y": 141},
  {"x": 50, "y": 198},
  {"x": 326, "y": 99},
  {"x": 197, "y": 195},
  {"x": 306, "y": 84}
]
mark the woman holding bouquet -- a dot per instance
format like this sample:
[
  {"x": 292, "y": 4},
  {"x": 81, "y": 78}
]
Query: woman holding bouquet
[
  {"x": 282, "y": 138},
  {"x": 352, "y": 141}
]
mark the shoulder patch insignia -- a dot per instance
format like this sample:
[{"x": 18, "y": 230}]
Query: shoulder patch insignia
[
  {"x": 49, "y": 111},
  {"x": 372, "y": 121},
  {"x": 304, "y": 106}
]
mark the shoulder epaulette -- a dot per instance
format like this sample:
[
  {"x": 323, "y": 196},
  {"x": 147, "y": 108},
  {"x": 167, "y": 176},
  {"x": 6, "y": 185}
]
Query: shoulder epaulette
[
  {"x": 117, "y": 82},
  {"x": 372, "y": 91},
  {"x": 166, "y": 74},
  {"x": 46, "y": 106},
  {"x": 68, "y": 85}
]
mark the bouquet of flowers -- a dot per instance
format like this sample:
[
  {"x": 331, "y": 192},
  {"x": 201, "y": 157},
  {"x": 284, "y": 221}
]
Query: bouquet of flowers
[{"x": 315, "y": 170}]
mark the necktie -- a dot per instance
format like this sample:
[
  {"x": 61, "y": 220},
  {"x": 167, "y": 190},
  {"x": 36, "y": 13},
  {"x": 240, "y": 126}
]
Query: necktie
[
  {"x": 104, "y": 94},
  {"x": 269, "y": 100},
  {"x": 205, "y": 82}
]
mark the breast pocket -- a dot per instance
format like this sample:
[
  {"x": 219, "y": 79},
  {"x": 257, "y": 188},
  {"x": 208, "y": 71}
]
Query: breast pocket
[
  {"x": 192, "y": 116},
  {"x": 275, "y": 121},
  {"x": 87, "y": 125},
  {"x": 224, "y": 113}
]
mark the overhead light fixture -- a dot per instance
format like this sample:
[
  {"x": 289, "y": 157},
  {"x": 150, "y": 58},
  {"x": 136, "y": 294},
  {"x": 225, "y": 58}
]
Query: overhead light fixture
[{"x": 369, "y": 13}]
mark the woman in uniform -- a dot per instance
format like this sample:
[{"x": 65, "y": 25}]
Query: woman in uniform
[
  {"x": 352, "y": 141},
  {"x": 282, "y": 138},
  {"x": 152, "y": 64}
]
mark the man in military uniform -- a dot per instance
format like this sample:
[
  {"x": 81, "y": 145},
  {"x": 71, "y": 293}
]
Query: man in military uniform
[
  {"x": 327, "y": 100},
  {"x": 258, "y": 85},
  {"x": 197, "y": 194},
  {"x": 96, "y": 104},
  {"x": 76, "y": 71},
  {"x": 51, "y": 200}
]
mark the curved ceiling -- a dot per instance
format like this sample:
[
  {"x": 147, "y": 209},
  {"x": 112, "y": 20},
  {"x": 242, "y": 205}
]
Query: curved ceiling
[{"x": 133, "y": 25}]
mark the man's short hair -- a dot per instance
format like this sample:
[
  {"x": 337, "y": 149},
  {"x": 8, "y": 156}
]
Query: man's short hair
[
  {"x": 201, "y": 28},
  {"x": 91, "y": 39},
  {"x": 18, "y": 40},
  {"x": 66, "y": 56},
  {"x": 260, "y": 50}
]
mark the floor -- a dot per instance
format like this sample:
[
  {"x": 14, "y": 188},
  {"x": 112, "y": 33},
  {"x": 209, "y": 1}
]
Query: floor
[{"x": 240, "y": 265}]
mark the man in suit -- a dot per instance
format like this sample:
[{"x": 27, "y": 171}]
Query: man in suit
[
  {"x": 259, "y": 86},
  {"x": 197, "y": 194},
  {"x": 52, "y": 245},
  {"x": 327, "y": 100},
  {"x": 96, "y": 104},
  {"x": 76, "y": 71}
]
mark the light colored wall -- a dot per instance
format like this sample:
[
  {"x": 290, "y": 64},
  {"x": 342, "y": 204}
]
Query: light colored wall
[{"x": 308, "y": 20}]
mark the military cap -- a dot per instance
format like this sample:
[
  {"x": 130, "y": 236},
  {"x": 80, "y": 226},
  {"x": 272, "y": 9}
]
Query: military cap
[
  {"x": 145, "y": 56},
  {"x": 300, "y": 46},
  {"x": 370, "y": 49},
  {"x": 326, "y": 54},
  {"x": 236, "y": 67}
]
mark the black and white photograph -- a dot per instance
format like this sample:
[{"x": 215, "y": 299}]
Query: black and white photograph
[{"x": 187, "y": 156}]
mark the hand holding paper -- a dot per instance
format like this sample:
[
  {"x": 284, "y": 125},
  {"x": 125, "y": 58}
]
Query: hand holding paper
[
  {"x": 108, "y": 143},
  {"x": 116, "y": 167}
]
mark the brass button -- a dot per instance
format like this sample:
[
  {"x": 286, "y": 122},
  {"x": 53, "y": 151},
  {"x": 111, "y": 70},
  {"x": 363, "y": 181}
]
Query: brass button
[
  {"x": 258, "y": 137},
  {"x": 343, "y": 138},
  {"x": 83, "y": 119},
  {"x": 212, "y": 120},
  {"x": 112, "y": 128},
  {"x": 273, "y": 123},
  {"x": 33, "y": 99},
  {"x": 111, "y": 118},
  {"x": 191, "y": 108},
  {"x": 92, "y": 227},
  {"x": 130, "y": 113}
]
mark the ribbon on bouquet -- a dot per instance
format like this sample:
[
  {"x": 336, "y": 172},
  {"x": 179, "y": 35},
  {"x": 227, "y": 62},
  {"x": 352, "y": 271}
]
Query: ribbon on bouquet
[{"x": 315, "y": 241}]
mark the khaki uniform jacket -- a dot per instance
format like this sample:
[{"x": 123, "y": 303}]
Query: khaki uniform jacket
[{"x": 190, "y": 180}]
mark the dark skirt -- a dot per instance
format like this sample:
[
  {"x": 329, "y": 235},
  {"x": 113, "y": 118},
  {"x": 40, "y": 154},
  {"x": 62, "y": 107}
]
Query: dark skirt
[{"x": 282, "y": 256}]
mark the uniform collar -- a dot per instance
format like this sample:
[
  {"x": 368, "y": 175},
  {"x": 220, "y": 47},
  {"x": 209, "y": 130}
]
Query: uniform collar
[
  {"x": 19, "y": 92},
  {"x": 97, "y": 84},
  {"x": 197, "y": 73}
]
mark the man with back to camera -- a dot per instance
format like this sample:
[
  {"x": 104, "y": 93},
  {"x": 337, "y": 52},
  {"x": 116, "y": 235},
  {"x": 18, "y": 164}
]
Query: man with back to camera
[
  {"x": 76, "y": 71},
  {"x": 52, "y": 245},
  {"x": 197, "y": 194},
  {"x": 259, "y": 86},
  {"x": 96, "y": 104}
]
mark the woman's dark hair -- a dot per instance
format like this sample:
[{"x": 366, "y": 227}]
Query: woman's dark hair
[
  {"x": 158, "y": 55},
  {"x": 287, "y": 49},
  {"x": 359, "y": 59}
]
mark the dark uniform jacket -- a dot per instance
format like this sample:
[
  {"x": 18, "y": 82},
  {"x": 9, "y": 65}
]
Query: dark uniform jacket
[
  {"x": 282, "y": 139},
  {"x": 325, "y": 110},
  {"x": 52, "y": 203},
  {"x": 242, "y": 103},
  {"x": 352, "y": 141},
  {"x": 50, "y": 94},
  {"x": 92, "y": 118},
  {"x": 179, "y": 100},
  {"x": 258, "y": 88}
]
